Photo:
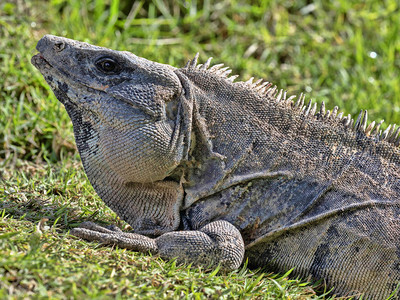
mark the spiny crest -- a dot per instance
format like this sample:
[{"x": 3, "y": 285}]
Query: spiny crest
[
  {"x": 216, "y": 69},
  {"x": 265, "y": 89}
]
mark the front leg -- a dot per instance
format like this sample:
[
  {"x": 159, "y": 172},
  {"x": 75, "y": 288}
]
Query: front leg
[
  {"x": 216, "y": 243},
  {"x": 115, "y": 236}
]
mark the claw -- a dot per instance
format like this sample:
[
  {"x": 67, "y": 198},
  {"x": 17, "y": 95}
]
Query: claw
[
  {"x": 114, "y": 228},
  {"x": 94, "y": 227},
  {"x": 114, "y": 236}
]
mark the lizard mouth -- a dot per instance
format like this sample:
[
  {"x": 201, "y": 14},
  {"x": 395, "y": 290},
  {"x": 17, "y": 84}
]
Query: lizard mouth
[
  {"x": 45, "y": 68},
  {"x": 52, "y": 76},
  {"x": 40, "y": 62}
]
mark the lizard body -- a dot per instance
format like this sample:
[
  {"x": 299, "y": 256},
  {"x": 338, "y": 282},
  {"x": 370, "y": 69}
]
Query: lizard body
[{"x": 213, "y": 171}]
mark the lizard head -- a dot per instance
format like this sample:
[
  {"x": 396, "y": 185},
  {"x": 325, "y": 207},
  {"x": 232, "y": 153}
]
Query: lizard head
[{"x": 124, "y": 108}]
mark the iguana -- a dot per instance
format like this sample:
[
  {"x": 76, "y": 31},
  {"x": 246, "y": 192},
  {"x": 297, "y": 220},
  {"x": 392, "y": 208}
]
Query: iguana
[{"x": 212, "y": 171}]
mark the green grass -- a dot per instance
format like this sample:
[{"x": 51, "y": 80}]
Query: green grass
[{"x": 345, "y": 53}]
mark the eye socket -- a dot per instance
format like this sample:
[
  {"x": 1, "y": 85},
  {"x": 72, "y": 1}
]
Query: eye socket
[{"x": 108, "y": 65}]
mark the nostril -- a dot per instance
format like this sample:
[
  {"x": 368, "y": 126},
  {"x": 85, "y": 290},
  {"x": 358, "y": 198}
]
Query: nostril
[{"x": 59, "y": 46}]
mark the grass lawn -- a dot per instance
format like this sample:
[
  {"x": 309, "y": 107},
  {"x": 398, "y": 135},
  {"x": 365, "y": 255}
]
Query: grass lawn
[{"x": 346, "y": 53}]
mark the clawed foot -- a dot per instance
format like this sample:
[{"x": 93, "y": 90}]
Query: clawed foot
[{"x": 114, "y": 236}]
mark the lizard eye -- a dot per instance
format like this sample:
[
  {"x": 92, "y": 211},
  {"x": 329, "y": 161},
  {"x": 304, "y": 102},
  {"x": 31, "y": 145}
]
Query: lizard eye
[{"x": 107, "y": 65}]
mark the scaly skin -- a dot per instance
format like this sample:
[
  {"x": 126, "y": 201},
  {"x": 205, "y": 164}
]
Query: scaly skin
[{"x": 211, "y": 171}]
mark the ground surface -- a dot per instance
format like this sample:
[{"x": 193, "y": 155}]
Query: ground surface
[{"x": 345, "y": 53}]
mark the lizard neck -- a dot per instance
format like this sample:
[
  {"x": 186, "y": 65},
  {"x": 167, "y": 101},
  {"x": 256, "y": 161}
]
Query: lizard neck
[{"x": 150, "y": 208}]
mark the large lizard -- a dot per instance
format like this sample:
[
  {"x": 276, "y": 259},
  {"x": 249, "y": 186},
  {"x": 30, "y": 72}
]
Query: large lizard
[{"x": 210, "y": 171}]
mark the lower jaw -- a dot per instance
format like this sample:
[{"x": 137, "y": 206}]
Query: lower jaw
[{"x": 40, "y": 62}]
